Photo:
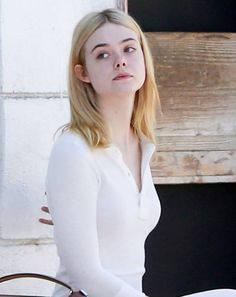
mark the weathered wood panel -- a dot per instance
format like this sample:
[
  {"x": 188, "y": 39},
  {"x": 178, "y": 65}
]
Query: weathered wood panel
[
  {"x": 196, "y": 136},
  {"x": 197, "y": 167},
  {"x": 202, "y": 163},
  {"x": 196, "y": 143}
]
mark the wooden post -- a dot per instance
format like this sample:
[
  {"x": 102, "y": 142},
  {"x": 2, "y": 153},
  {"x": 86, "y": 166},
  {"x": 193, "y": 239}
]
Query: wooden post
[{"x": 122, "y": 5}]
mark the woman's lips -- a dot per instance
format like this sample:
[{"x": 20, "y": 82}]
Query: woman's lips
[{"x": 122, "y": 76}]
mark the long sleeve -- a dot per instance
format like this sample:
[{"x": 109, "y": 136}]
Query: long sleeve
[{"x": 72, "y": 189}]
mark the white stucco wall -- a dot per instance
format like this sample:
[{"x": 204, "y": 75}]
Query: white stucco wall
[{"x": 34, "y": 46}]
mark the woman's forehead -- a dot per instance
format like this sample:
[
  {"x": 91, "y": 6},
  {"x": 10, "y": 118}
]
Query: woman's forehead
[{"x": 110, "y": 34}]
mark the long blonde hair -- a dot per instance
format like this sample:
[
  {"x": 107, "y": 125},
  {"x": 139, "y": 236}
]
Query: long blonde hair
[{"x": 86, "y": 118}]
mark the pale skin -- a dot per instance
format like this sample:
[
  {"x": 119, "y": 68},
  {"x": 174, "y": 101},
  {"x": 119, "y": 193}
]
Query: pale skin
[
  {"x": 114, "y": 65},
  {"x": 112, "y": 50}
]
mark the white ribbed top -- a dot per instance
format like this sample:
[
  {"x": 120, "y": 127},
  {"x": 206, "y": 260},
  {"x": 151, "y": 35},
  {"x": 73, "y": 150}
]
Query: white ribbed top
[{"x": 101, "y": 219}]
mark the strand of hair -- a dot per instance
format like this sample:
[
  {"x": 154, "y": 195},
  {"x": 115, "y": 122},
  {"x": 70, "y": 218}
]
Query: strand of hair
[{"x": 122, "y": 5}]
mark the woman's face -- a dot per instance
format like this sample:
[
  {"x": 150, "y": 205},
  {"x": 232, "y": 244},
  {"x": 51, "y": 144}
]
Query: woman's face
[{"x": 114, "y": 61}]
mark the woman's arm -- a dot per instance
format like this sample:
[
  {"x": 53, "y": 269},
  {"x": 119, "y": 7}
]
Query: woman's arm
[{"x": 72, "y": 189}]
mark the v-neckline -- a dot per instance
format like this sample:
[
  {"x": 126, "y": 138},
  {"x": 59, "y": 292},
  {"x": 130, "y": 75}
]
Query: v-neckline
[
  {"x": 146, "y": 148},
  {"x": 139, "y": 190},
  {"x": 128, "y": 169}
]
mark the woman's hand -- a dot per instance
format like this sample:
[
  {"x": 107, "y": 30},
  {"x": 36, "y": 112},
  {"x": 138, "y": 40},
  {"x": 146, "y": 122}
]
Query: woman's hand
[
  {"x": 46, "y": 221},
  {"x": 45, "y": 209}
]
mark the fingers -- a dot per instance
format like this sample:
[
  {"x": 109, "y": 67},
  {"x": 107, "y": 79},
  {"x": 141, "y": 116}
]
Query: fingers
[
  {"x": 46, "y": 222},
  {"x": 45, "y": 209}
]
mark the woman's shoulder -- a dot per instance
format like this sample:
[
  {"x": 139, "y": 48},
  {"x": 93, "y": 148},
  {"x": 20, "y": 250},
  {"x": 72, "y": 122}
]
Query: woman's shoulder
[
  {"x": 71, "y": 156},
  {"x": 72, "y": 142}
]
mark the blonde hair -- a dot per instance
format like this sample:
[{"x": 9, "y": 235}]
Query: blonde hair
[{"x": 86, "y": 118}]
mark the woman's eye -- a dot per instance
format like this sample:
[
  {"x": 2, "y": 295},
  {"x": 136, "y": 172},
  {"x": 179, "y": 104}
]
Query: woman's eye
[
  {"x": 129, "y": 49},
  {"x": 103, "y": 56}
]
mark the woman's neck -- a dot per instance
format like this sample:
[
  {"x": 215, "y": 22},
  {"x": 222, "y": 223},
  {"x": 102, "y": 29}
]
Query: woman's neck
[{"x": 118, "y": 113}]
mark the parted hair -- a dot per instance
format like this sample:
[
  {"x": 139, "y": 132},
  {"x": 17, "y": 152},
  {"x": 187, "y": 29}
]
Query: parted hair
[{"x": 85, "y": 115}]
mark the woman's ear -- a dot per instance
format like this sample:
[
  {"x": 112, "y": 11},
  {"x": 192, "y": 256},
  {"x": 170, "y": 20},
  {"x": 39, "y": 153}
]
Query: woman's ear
[{"x": 81, "y": 73}]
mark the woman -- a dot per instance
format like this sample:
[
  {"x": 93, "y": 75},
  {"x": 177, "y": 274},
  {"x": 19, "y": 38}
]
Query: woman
[{"x": 99, "y": 186}]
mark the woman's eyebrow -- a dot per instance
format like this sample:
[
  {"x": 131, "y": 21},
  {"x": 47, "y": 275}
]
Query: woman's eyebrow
[{"x": 107, "y": 44}]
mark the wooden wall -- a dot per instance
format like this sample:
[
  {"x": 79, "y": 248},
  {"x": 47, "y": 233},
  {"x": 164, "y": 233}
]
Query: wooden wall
[
  {"x": 196, "y": 78},
  {"x": 196, "y": 135}
]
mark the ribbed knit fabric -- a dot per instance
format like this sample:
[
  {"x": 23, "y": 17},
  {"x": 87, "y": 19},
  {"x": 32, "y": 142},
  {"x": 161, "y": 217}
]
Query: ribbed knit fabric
[{"x": 101, "y": 219}]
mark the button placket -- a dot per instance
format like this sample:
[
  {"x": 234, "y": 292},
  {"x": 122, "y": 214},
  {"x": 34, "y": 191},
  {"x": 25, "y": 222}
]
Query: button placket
[
  {"x": 118, "y": 155},
  {"x": 143, "y": 207}
]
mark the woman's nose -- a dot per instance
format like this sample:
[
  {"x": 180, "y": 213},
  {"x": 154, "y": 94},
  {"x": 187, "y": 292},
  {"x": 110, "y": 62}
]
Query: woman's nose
[{"x": 120, "y": 63}]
